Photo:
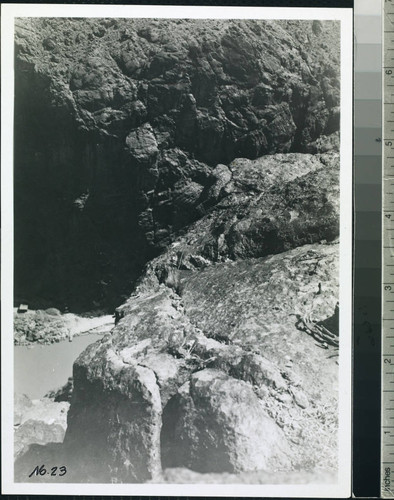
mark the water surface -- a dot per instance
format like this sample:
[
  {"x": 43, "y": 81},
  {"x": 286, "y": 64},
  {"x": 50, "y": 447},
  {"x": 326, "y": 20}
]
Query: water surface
[{"x": 41, "y": 368}]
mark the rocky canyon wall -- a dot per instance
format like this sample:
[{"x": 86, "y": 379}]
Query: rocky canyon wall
[{"x": 120, "y": 125}]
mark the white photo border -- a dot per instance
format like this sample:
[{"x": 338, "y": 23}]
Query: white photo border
[{"x": 342, "y": 488}]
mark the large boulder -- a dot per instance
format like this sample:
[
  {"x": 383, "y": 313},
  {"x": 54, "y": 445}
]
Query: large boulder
[
  {"x": 121, "y": 439},
  {"x": 299, "y": 283},
  {"x": 217, "y": 424},
  {"x": 142, "y": 146},
  {"x": 38, "y": 422}
]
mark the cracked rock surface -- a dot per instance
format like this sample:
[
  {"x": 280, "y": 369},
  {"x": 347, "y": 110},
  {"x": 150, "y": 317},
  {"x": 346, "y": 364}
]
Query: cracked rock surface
[
  {"x": 126, "y": 131},
  {"x": 191, "y": 381}
]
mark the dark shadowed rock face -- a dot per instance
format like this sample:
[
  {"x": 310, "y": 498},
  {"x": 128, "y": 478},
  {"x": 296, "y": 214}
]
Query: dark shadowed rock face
[{"x": 120, "y": 125}]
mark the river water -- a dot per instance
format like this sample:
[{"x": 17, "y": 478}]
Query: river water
[{"x": 41, "y": 368}]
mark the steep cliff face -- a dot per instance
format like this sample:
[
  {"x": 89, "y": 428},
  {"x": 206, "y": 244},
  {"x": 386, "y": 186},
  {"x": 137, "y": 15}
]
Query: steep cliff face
[{"x": 120, "y": 125}]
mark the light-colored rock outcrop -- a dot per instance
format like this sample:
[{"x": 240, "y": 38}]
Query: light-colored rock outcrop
[
  {"x": 38, "y": 422},
  {"x": 148, "y": 393},
  {"x": 217, "y": 424}
]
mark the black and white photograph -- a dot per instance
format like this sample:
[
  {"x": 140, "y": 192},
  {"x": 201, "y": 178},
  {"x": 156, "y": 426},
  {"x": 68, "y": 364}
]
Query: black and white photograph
[{"x": 178, "y": 308}]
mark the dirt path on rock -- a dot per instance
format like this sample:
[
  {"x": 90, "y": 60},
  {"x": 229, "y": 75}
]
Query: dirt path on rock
[{"x": 78, "y": 325}]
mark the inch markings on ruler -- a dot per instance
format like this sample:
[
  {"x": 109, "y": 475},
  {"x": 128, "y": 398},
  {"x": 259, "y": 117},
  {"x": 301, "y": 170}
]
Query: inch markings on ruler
[{"x": 387, "y": 370}]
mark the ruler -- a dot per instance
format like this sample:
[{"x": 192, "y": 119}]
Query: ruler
[{"x": 387, "y": 373}]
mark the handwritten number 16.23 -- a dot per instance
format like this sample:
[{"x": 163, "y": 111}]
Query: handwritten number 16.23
[{"x": 41, "y": 471}]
